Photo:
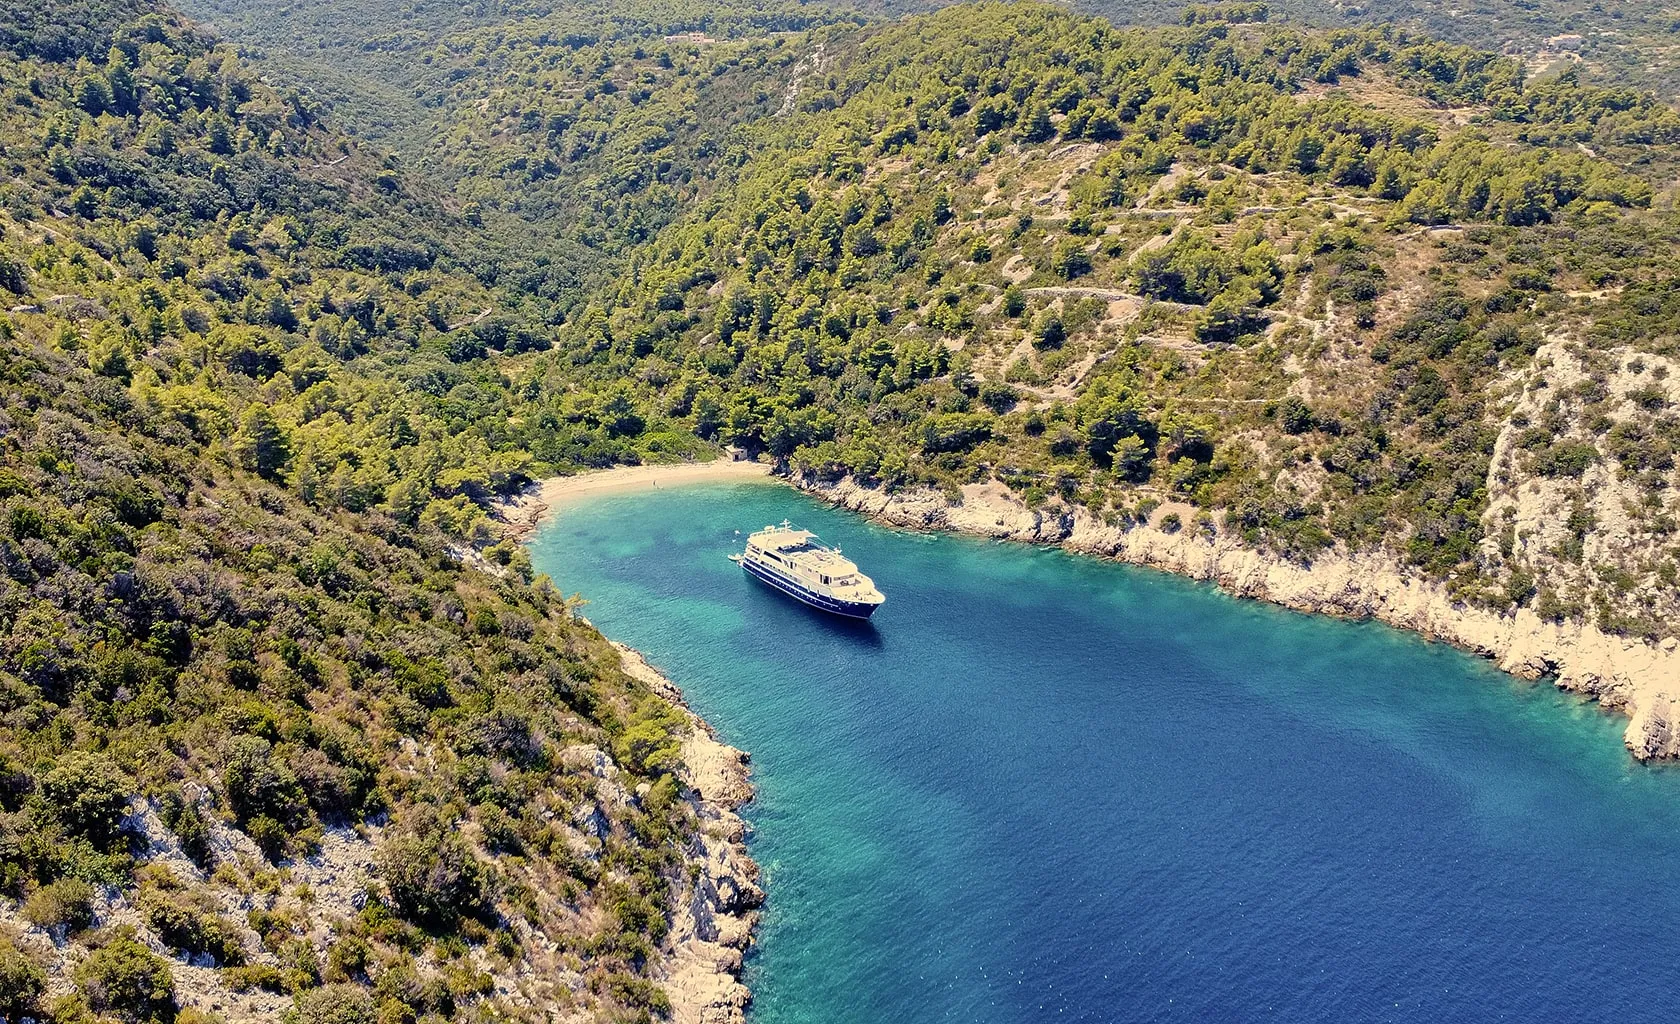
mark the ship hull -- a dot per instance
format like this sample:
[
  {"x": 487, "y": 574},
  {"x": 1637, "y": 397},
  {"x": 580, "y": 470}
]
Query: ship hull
[{"x": 821, "y": 602}]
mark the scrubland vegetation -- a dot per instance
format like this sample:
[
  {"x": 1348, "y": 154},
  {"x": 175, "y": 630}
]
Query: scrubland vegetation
[{"x": 265, "y": 377}]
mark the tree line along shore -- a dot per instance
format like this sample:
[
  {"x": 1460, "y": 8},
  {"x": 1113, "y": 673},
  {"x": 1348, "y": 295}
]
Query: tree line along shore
[{"x": 288, "y": 723}]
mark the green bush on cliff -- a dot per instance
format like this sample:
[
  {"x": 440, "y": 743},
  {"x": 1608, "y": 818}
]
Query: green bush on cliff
[
  {"x": 22, "y": 982},
  {"x": 66, "y": 903},
  {"x": 87, "y": 794},
  {"x": 334, "y": 1004},
  {"x": 126, "y": 980},
  {"x": 432, "y": 878},
  {"x": 188, "y": 919}
]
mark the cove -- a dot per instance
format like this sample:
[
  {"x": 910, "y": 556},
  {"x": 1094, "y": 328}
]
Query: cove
[{"x": 1043, "y": 787}]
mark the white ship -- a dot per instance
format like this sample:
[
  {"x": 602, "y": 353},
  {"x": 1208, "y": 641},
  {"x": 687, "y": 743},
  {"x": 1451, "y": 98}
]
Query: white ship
[{"x": 796, "y": 563}]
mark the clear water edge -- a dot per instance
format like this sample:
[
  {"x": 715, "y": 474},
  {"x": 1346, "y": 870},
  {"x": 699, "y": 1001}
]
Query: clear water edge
[{"x": 1041, "y": 784}]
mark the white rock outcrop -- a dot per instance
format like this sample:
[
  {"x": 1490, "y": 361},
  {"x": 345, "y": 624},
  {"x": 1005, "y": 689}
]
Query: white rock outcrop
[
  {"x": 1639, "y": 679},
  {"x": 717, "y": 899}
]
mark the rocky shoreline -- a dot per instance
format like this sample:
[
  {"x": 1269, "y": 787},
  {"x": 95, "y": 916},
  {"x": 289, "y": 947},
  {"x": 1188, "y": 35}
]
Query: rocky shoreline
[
  {"x": 1638, "y": 679},
  {"x": 715, "y": 908},
  {"x": 717, "y": 899},
  {"x": 521, "y": 514}
]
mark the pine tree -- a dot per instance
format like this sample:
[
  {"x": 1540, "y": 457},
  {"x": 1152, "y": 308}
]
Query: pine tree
[
  {"x": 1035, "y": 124},
  {"x": 94, "y": 95},
  {"x": 261, "y": 445},
  {"x": 307, "y": 480},
  {"x": 124, "y": 96},
  {"x": 941, "y": 206}
]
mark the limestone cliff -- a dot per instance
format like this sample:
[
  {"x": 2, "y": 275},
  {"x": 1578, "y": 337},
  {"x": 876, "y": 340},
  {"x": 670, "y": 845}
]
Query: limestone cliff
[
  {"x": 715, "y": 908},
  {"x": 1641, "y": 680}
]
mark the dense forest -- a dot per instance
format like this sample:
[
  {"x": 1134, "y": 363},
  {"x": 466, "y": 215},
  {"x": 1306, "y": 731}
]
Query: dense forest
[
  {"x": 364, "y": 61},
  {"x": 277, "y": 341},
  {"x": 569, "y": 132},
  {"x": 1627, "y": 43},
  {"x": 252, "y": 599},
  {"x": 575, "y": 130},
  {"x": 1285, "y": 276}
]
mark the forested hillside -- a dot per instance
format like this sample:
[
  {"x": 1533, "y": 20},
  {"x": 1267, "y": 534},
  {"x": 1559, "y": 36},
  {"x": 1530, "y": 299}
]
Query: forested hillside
[
  {"x": 575, "y": 129},
  {"x": 289, "y": 725},
  {"x": 1299, "y": 280},
  {"x": 357, "y": 53},
  {"x": 384, "y": 65},
  {"x": 568, "y": 131},
  {"x": 1627, "y": 43},
  {"x": 283, "y": 719}
]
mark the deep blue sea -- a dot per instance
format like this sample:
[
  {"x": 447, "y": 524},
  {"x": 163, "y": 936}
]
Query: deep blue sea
[{"x": 1039, "y": 787}]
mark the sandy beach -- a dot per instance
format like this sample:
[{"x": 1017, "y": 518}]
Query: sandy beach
[{"x": 525, "y": 513}]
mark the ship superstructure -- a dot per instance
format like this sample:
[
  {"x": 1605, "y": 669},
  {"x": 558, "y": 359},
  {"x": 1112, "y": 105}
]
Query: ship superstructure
[{"x": 796, "y": 563}]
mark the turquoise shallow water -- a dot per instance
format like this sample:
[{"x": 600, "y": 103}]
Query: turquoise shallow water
[{"x": 1039, "y": 787}]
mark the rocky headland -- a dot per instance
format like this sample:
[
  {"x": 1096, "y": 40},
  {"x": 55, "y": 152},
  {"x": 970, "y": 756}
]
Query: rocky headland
[
  {"x": 715, "y": 908},
  {"x": 1638, "y": 679}
]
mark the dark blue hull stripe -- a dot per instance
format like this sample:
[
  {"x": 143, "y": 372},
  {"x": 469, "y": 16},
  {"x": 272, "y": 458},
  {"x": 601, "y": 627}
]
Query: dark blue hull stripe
[{"x": 850, "y": 609}]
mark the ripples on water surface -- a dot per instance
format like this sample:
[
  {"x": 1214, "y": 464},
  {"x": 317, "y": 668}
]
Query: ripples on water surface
[{"x": 1043, "y": 787}]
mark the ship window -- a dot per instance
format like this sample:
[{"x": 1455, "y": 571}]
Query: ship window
[{"x": 825, "y": 579}]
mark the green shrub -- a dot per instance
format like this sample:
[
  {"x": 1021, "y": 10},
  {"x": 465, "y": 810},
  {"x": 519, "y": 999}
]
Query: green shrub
[
  {"x": 191, "y": 830},
  {"x": 1520, "y": 587},
  {"x": 348, "y": 959},
  {"x": 128, "y": 981},
  {"x": 265, "y": 795},
  {"x": 1000, "y": 398},
  {"x": 88, "y": 794},
  {"x": 1565, "y": 458},
  {"x": 1048, "y": 331},
  {"x": 246, "y": 977},
  {"x": 1072, "y": 261},
  {"x": 1294, "y": 416},
  {"x": 400, "y": 983},
  {"x": 651, "y": 743},
  {"x": 432, "y": 877},
  {"x": 271, "y": 837},
  {"x": 500, "y": 830},
  {"x": 188, "y": 921},
  {"x": 639, "y": 993},
  {"x": 333, "y": 1004},
  {"x": 21, "y": 982},
  {"x": 67, "y": 902},
  {"x": 954, "y": 431},
  {"x": 1553, "y": 607},
  {"x": 300, "y": 964}
]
